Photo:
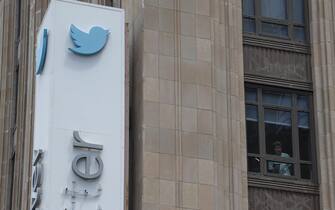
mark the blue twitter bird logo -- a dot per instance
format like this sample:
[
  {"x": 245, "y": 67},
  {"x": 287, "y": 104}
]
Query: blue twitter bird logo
[{"x": 88, "y": 43}]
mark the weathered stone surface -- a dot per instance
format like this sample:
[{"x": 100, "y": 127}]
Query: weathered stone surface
[
  {"x": 191, "y": 99},
  {"x": 9, "y": 37},
  {"x": 275, "y": 63},
  {"x": 322, "y": 24},
  {"x": 198, "y": 71}
]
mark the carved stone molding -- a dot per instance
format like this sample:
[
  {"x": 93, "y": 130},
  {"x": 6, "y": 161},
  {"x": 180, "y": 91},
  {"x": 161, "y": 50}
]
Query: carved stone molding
[
  {"x": 272, "y": 199},
  {"x": 277, "y": 64}
]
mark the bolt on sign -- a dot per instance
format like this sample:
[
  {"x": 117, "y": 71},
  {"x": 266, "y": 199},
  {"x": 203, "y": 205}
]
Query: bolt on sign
[{"x": 78, "y": 159}]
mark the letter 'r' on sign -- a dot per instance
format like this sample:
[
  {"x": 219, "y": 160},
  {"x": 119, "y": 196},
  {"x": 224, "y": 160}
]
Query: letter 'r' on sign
[{"x": 85, "y": 173}]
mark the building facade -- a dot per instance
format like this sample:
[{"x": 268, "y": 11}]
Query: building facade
[{"x": 230, "y": 103}]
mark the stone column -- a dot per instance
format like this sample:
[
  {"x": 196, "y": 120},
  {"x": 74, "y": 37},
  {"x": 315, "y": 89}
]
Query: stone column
[
  {"x": 188, "y": 125},
  {"x": 8, "y": 74},
  {"x": 323, "y": 62}
]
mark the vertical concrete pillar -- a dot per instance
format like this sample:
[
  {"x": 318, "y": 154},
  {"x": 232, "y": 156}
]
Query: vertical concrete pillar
[
  {"x": 8, "y": 64},
  {"x": 322, "y": 24},
  {"x": 188, "y": 111}
]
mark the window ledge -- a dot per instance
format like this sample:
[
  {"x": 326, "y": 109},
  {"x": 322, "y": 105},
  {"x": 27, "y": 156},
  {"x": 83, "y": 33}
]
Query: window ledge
[
  {"x": 264, "y": 80},
  {"x": 282, "y": 184},
  {"x": 274, "y": 43}
]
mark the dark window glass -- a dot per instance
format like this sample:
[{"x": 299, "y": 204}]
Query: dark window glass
[
  {"x": 277, "y": 99},
  {"x": 248, "y": 7},
  {"x": 281, "y": 168},
  {"x": 275, "y": 29},
  {"x": 306, "y": 171},
  {"x": 298, "y": 11},
  {"x": 250, "y": 95},
  {"x": 249, "y": 25},
  {"x": 299, "y": 34},
  {"x": 303, "y": 120},
  {"x": 254, "y": 164},
  {"x": 283, "y": 19},
  {"x": 251, "y": 113},
  {"x": 304, "y": 136},
  {"x": 252, "y": 129},
  {"x": 275, "y": 9},
  {"x": 304, "y": 144},
  {"x": 303, "y": 102},
  {"x": 278, "y": 130}
]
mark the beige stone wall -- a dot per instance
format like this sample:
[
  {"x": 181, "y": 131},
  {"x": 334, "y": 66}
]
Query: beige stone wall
[
  {"x": 188, "y": 108},
  {"x": 323, "y": 51},
  {"x": 187, "y": 102},
  {"x": 8, "y": 63}
]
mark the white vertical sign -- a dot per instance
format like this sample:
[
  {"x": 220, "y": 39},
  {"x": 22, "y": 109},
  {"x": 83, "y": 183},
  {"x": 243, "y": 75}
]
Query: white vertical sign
[{"x": 79, "y": 109}]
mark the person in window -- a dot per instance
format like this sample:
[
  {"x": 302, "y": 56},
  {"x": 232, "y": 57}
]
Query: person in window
[{"x": 276, "y": 167}]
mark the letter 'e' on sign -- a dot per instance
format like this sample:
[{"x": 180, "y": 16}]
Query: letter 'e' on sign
[{"x": 79, "y": 113}]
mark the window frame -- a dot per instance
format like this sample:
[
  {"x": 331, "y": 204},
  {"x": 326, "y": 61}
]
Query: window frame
[
  {"x": 258, "y": 18},
  {"x": 295, "y": 159}
]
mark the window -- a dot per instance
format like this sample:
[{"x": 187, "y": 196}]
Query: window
[
  {"x": 279, "y": 138},
  {"x": 283, "y": 19}
]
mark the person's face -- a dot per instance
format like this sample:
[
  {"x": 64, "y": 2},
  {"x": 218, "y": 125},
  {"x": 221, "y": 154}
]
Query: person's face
[{"x": 278, "y": 150}]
